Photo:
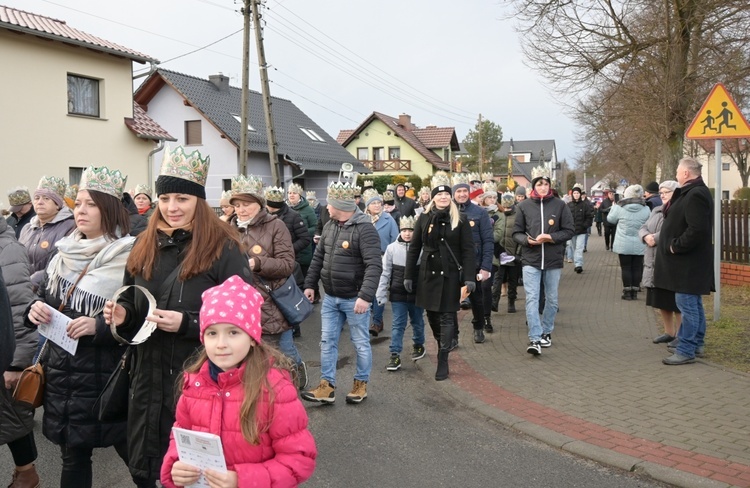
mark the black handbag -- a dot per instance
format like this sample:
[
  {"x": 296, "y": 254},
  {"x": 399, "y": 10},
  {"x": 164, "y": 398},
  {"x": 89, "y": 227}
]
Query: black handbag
[
  {"x": 112, "y": 403},
  {"x": 293, "y": 304}
]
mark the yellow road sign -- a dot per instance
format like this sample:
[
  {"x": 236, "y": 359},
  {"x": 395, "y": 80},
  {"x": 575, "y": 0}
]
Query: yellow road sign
[{"x": 718, "y": 118}]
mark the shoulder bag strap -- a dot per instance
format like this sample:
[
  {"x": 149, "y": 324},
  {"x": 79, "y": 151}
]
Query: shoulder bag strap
[
  {"x": 166, "y": 285},
  {"x": 460, "y": 268}
]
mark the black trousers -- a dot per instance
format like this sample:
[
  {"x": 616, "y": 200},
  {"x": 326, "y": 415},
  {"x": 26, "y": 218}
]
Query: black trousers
[
  {"x": 23, "y": 450},
  {"x": 609, "y": 235},
  {"x": 505, "y": 274},
  {"x": 632, "y": 270},
  {"x": 444, "y": 327},
  {"x": 76, "y": 468}
]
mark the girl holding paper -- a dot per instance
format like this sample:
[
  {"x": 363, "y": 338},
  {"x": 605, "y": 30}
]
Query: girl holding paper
[
  {"x": 86, "y": 270},
  {"x": 241, "y": 390}
]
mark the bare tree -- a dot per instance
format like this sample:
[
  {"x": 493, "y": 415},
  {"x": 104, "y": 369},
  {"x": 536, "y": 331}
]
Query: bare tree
[{"x": 660, "y": 57}]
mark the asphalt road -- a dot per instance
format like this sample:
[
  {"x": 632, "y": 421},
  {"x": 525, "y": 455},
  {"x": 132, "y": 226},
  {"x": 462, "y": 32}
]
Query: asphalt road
[{"x": 406, "y": 433}]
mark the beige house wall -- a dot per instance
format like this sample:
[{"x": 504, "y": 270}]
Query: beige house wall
[
  {"x": 730, "y": 178},
  {"x": 37, "y": 135},
  {"x": 378, "y": 134}
]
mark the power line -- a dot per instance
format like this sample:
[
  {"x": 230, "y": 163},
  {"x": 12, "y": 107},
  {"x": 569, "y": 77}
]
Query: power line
[{"x": 195, "y": 50}]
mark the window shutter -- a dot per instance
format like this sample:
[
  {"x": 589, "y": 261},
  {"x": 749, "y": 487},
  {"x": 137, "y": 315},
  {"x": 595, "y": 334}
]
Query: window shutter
[{"x": 193, "y": 133}]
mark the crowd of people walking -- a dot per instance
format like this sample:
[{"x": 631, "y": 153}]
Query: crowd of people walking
[{"x": 193, "y": 297}]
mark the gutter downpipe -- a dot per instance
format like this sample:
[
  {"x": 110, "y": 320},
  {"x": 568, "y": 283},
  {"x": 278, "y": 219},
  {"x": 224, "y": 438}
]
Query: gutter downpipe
[
  {"x": 150, "y": 160},
  {"x": 291, "y": 161}
]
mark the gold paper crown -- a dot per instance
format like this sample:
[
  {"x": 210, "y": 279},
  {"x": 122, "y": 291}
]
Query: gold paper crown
[
  {"x": 507, "y": 200},
  {"x": 540, "y": 172},
  {"x": 71, "y": 192},
  {"x": 53, "y": 184},
  {"x": 369, "y": 194},
  {"x": 474, "y": 177},
  {"x": 104, "y": 180},
  {"x": 388, "y": 196},
  {"x": 310, "y": 195},
  {"x": 406, "y": 223},
  {"x": 425, "y": 189},
  {"x": 247, "y": 184},
  {"x": 274, "y": 194},
  {"x": 226, "y": 195},
  {"x": 487, "y": 176},
  {"x": 460, "y": 179},
  {"x": 296, "y": 188},
  {"x": 19, "y": 196},
  {"x": 191, "y": 167},
  {"x": 367, "y": 183},
  {"x": 342, "y": 191},
  {"x": 489, "y": 187},
  {"x": 440, "y": 178},
  {"x": 145, "y": 189}
]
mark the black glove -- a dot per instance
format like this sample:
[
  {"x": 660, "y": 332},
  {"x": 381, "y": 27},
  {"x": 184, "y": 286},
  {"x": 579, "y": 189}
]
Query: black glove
[
  {"x": 408, "y": 284},
  {"x": 470, "y": 286}
]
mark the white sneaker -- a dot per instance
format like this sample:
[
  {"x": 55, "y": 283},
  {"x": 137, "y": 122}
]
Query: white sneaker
[
  {"x": 546, "y": 340},
  {"x": 534, "y": 348}
]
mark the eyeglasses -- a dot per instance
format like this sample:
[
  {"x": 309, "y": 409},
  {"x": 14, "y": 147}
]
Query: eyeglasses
[{"x": 666, "y": 192}]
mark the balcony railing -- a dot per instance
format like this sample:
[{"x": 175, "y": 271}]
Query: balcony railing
[{"x": 388, "y": 164}]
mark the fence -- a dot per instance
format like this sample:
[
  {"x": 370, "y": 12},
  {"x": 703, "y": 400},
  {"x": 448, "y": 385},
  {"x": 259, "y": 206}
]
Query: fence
[{"x": 735, "y": 237}]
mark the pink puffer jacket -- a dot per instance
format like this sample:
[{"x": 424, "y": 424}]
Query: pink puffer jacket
[{"x": 286, "y": 453}]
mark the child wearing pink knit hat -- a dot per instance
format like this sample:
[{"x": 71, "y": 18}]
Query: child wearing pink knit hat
[{"x": 240, "y": 389}]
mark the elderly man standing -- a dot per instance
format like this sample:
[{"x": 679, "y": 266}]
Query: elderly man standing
[
  {"x": 684, "y": 262},
  {"x": 348, "y": 260}
]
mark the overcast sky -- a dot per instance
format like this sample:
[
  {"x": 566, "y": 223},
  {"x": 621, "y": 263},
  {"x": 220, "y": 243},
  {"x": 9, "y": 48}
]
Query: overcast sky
[{"x": 443, "y": 62}]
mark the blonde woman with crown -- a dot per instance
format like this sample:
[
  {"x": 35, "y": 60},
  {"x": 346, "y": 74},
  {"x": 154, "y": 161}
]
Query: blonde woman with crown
[
  {"x": 86, "y": 270},
  {"x": 439, "y": 262}
]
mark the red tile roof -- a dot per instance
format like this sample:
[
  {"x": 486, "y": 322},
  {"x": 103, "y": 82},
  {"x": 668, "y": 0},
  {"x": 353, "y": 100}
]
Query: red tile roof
[
  {"x": 344, "y": 135},
  {"x": 434, "y": 137},
  {"x": 49, "y": 28},
  {"x": 145, "y": 127}
]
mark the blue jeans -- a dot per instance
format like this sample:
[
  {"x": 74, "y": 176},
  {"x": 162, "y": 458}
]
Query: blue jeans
[
  {"x": 578, "y": 243},
  {"x": 693, "y": 328},
  {"x": 569, "y": 250},
  {"x": 334, "y": 313},
  {"x": 402, "y": 311},
  {"x": 284, "y": 342},
  {"x": 532, "y": 278},
  {"x": 377, "y": 313}
]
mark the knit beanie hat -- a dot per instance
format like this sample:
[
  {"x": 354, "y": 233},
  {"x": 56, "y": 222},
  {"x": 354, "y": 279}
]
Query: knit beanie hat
[
  {"x": 520, "y": 190},
  {"x": 52, "y": 188},
  {"x": 652, "y": 187},
  {"x": 634, "y": 191},
  {"x": 670, "y": 185},
  {"x": 232, "y": 302}
]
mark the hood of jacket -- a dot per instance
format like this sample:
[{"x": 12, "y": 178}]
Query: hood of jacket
[
  {"x": 302, "y": 204},
  {"x": 63, "y": 214},
  {"x": 632, "y": 204}
]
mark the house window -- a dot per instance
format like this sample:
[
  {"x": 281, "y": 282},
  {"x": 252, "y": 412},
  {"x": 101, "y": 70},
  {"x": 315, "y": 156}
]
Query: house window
[
  {"x": 725, "y": 194},
  {"x": 74, "y": 175},
  {"x": 363, "y": 153},
  {"x": 377, "y": 153},
  {"x": 446, "y": 154},
  {"x": 312, "y": 134},
  {"x": 239, "y": 121},
  {"x": 193, "y": 133},
  {"x": 226, "y": 184},
  {"x": 394, "y": 153},
  {"x": 83, "y": 96},
  {"x": 725, "y": 166}
]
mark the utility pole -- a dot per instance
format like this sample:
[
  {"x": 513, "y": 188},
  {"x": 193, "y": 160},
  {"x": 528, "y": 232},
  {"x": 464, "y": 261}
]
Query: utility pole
[
  {"x": 481, "y": 149},
  {"x": 270, "y": 133},
  {"x": 245, "y": 86}
]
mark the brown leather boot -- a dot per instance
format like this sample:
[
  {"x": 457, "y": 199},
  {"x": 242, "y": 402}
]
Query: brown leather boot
[{"x": 25, "y": 479}]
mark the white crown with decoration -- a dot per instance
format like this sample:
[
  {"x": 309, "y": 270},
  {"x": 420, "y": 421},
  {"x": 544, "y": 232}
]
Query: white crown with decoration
[
  {"x": 19, "y": 196},
  {"x": 425, "y": 189},
  {"x": 274, "y": 194},
  {"x": 389, "y": 196},
  {"x": 342, "y": 191},
  {"x": 369, "y": 194},
  {"x": 406, "y": 223},
  {"x": 474, "y": 177},
  {"x": 489, "y": 187},
  {"x": 310, "y": 196},
  {"x": 71, "y": 192},
  {"x": 540, "y": 171},
  {"x": 191, "y": 167},
  {"x": 250, "y": 184},
  {"x": 460, "y": 179},
  {"x": 368, "y": 184},
  {"x": 440, "y": 178},
  {"x": 226, "y": 195},
  {"x": 145, "y": 189},
  {"x": 104, "y": 180},
  {"x": 296, "y": 188},
  {"x": 487, "y": 176},
  {"x": 53, "y": 184},
  {"x": 391, "y": 187},
  {"x": 507, "y": 199}
]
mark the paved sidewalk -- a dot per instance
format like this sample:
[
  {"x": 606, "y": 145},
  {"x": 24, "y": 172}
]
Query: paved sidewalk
[{"x": 601, "y": 390}]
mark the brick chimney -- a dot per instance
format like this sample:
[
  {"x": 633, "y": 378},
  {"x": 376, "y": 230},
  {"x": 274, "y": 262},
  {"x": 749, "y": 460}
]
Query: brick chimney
[
  {"x": 220, "y": 81},
  {"x": 404, "y": 120}
]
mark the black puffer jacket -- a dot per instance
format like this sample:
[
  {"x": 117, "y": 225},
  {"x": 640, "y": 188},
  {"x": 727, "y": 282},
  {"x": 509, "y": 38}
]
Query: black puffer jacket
[
  {"x": 158, "y": 362},
  {"x": 582, "y": 214},
  {"x": 549, "y": 216},
  {"x": 18, "y": 224},
  {"x": 73, "y": 384},
  {"x": 347, "y": 259},
  {"x": 301, "y": 238}
]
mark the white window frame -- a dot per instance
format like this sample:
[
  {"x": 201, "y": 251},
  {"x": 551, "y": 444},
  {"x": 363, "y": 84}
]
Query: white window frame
[
  {"x": 239, "y": 121},
  {"x": 312, "y": 134}
]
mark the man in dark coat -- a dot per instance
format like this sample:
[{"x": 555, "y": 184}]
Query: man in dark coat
[
  {"x": 348, "y": 260},
  {"x": 684, "y": 258},
  {"x": 609, "y": 229},
  {"x": 406, "y": 206},
  {"x": 583, "y": 215},
  {"x": 651, "y": 194},
  {"x": 21, "y": 209}
]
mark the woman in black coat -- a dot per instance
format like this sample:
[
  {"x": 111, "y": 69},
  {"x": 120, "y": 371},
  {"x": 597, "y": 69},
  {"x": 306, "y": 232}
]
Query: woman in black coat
[
  {"x": 185, "y": 250},
  {"x": 443, "y": 238}
]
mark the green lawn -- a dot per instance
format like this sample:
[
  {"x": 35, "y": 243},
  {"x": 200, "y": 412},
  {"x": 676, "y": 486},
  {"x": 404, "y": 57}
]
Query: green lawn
[{"x": 727, "y": 339}]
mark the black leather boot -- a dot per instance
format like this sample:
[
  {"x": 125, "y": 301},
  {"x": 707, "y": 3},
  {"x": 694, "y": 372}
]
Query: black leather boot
[
  {"x": 634, "y": 293},
  {"x": 511, "y": 306},
  {"x": 488, "y": 324},
  {"x": 442, "y": 366},
  {"x": 626, "y": 293}
]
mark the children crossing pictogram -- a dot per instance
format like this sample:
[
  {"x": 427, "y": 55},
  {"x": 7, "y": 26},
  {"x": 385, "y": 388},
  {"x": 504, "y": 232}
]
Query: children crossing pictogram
[{"x": 718, "y": 118}]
